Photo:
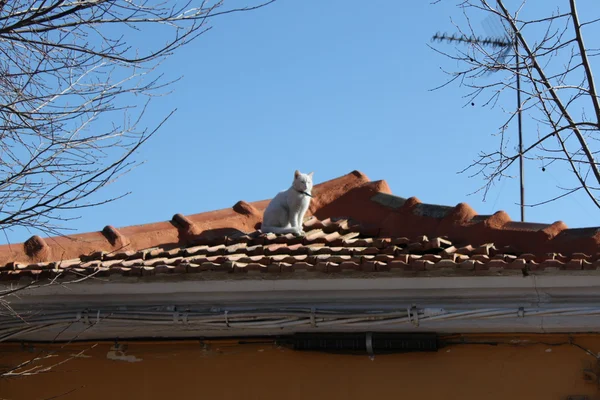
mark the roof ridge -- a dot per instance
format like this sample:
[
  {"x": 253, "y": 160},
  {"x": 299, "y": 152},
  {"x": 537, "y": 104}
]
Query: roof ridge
[
  {"x": 370, "y": 203},
  {"x": 242, "y": 216}
]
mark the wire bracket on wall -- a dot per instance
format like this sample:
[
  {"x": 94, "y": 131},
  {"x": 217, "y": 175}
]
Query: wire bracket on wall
[
  {"x": 313, "y": 319},
  {"x": 369, "y": 345},
  {"x": 413, "y": 315},
  {"x": 84, "y": 317},
  {"x": 226, "y": 319}
]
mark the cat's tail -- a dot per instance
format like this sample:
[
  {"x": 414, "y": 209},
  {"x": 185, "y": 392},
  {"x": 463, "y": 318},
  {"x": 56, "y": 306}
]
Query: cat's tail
[{"x": 277, "y": 229}]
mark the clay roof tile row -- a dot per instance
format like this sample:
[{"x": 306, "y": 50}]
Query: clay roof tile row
[
  {"x": 348, "y": 251},
  {"x": 356, "y": 225}
]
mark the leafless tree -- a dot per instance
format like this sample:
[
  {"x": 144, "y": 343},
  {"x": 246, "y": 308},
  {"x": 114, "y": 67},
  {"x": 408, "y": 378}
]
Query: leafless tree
[
  {"x": 71, "y": 78},
  {"x": 15, "y": 323},
  {"x": 553, "y": 58}
]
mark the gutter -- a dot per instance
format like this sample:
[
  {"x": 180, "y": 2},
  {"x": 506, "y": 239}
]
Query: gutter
[{"x": 172, "y": 307}]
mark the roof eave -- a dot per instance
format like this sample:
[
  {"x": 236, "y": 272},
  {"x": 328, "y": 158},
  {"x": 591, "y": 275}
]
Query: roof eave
[{"x": 496, "y": 304}]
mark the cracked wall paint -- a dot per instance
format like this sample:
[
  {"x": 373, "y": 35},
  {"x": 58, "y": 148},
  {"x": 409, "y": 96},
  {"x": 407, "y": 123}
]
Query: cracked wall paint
[{"x": 117, "y": 353}]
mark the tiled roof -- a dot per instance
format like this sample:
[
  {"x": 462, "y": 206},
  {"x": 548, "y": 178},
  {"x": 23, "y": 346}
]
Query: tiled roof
[
  {"x": 330, "y": 246},
  {"x": 356, "y": 225}
]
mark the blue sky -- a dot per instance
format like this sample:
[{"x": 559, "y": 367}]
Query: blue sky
[{"x": 330, "y": 87}]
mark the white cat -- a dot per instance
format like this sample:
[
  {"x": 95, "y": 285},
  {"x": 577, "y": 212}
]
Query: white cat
[{"x": 285, "y": 213}]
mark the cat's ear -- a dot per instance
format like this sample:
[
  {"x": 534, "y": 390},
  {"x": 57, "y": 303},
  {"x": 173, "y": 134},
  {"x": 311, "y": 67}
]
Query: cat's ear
[
  {"x": 296, "y": 174},
  {"x": 311, "y": 175}
]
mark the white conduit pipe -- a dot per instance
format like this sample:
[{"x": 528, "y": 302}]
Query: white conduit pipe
[
  {"x": 28, "y": 330},
  {"x": 265, "y": 319}
]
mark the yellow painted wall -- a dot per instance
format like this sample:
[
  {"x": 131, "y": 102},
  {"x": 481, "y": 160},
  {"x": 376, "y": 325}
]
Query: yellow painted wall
[{"x": 517, "y": 369}]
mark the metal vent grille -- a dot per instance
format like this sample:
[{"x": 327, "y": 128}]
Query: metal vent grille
[{"x": 363, "y": 343}]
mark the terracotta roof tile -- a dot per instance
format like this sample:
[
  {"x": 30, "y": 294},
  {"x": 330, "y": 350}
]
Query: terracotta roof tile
[
  {"x": 364, "y": 254},
  {"x": 354, "y": 225}
]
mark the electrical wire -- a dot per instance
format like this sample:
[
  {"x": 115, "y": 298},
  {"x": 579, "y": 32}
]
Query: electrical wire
[{"x": 276, "y": 318}]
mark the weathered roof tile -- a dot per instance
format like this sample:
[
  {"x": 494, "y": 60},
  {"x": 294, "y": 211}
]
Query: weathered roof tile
[{"x": 355, "y": 226}]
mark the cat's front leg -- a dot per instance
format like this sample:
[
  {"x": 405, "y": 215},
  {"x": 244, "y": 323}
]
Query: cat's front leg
[
  {"x": 295, "y": 217},
  {"x": 294, "y": 224},
  {"x": 301, "y": 215}
]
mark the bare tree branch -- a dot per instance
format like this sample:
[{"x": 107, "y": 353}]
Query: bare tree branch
[
  {"x": 557, "y": 87},
  {"x": 69, "y": 71},
  {"x": 584, "y": 60}
]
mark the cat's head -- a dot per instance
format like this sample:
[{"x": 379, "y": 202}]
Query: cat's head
[{"x": 303, "y": 182}]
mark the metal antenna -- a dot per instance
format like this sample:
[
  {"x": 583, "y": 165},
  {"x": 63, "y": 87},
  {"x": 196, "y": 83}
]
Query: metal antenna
[{"x": 507, "y": 42}]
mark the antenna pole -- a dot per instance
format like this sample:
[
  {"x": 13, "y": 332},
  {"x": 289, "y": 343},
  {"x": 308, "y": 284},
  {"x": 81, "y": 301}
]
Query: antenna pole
[
  {"x": 495, "y": 42},
  {"x": 520, "y": 122}
]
